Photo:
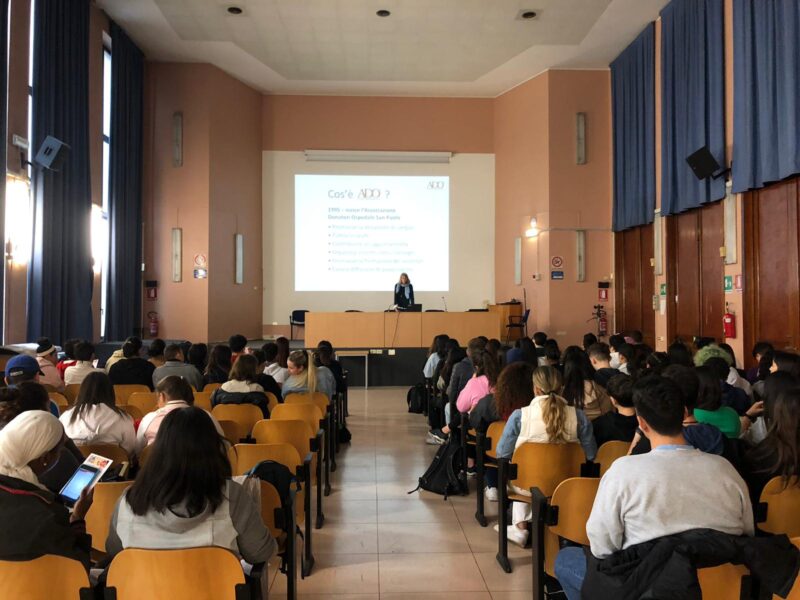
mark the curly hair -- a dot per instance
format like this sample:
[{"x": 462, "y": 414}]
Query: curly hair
[
  {"x": 711, "y": 351},
  {"x": 514, "y": 389}
]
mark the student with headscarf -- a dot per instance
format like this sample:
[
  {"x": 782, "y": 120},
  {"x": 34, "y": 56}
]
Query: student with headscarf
[{"x": 33, "y": 521}]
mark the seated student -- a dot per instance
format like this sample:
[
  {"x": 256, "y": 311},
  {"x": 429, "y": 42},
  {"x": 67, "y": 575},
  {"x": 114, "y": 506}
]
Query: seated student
[
  {"x": 242, "y": 387},
  {"x": 589, "y": 339},
  {"x": 184, "y": 497},
  {"x": 30, "y": 395},
  {"x": 69, "y": 357},
  {"x": 656, "y": 362},
  {"x": 710, "y": 408},
  {"x": 23, "y": 368},
  {"x": 47, "y": 357},
  {"x": 130, "y": 368},
  {"x": 302, "y": 374},
  {"x": 524, "y": 349},
  {"x": 265, "y": 381},
  {"x": 547, "y": 419},
  {"x": 539, "y": 338},
  {"x": 621, "y": 424},
  {"x": 732, "y": 396},
  {"x": 514, "y": 390},
  {"x": 273, "y": 367},
  {"x": 776, "y": 384},
  {"x": 674, "y": 488},
  {"x": 174, "y": 365},
  {"x": 580, "y": 389},
  {"x": 760, "y": 349},
  {"x": 625, "y": 356},
  {"x": 552, "y": 356},
  {"x": 678, "y": 353},
  {"x": 325, "y": 358},
  {"x": 197, "y": 356},
  {"x": 238, "y": 346},
  {"x": 778, "y": 454},
  {"x": 155, "y": 352},
  {"x": 218, "y": 368},
  {"x": 326, "y": 382},
  {"x": 436, "y": 353},
  {"x": 481, "y": 384},
  {"x": 173, "y": 393},
  {"x": 736, "y": 378},
  {"x": 116, "y": 356},
  {"x": 84, "y": 354},
  {"x": 34, "y": 521},
  {"x": 600, "y": 358},
  {"x": 95, "y": 418}
]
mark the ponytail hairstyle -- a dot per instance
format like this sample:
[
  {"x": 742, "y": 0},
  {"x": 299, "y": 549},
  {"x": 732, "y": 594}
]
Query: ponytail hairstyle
[
  {"x": 489, "y": 366},
  {"x": 302, "y": 360},
  {"x": 554, "y": 407}
]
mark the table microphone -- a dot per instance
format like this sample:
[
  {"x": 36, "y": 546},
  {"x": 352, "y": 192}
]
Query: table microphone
[{"x": 445, "y": 304}]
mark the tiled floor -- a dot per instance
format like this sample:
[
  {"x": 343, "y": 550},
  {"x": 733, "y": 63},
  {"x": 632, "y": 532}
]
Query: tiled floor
[{"x": 380, "y": 542}]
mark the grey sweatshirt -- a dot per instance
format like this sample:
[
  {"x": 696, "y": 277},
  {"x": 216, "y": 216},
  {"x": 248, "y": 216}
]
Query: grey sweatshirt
[{"x": 668, "y": 490}]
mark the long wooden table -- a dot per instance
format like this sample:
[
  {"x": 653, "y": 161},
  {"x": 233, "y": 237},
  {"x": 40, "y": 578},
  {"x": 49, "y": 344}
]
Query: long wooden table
[{"x": 404, "y": 329}]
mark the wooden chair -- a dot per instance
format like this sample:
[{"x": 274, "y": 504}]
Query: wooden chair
[
  {"x": 327, "y": 408},
  {"x": 134, "y": 411},
  {"x": 281, "y": 525},
  {"x": 48, "y": 577},
  {"x": 608, "y": 453},
  {"x": 234, "y": 432},
  {"x": 563, "y": 516},
  {"x": 311, "y": 415},
  {"x": 795, "y": 593},
  {"x": 145, "y": 401},
  {"x": 485, "y": 448},
  {"x": 144, "y": 455},
  {"x": 71, "y": 392},
  {"x": 272, "y": 401},
  {"x": 246, "y": 415},
  {"x": 210, "y": 387},
  {"x": 197, "y": 573},
  {"x": 299, "y": 435},
  {"x": 725, "y": 582},
  {"x": 249, "y": 455},
  {"x": 124, "y": 392},
  {"x": 538, "y": 465},
  {"x": 98, "y": 518},
  {"x": 60, "y": 401},
  {"x": 203, "y": 400},
  {"x": 112, "y": 451},
  {"x": 779, "y": 508}
]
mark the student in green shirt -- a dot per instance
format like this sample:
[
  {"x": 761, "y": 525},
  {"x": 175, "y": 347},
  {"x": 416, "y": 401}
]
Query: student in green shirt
[{"x": 709, "y": 407}]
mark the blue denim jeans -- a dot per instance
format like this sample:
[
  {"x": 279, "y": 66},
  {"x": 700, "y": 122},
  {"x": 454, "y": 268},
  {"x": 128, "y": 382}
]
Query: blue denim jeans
[{"x": 570, "y": 570}]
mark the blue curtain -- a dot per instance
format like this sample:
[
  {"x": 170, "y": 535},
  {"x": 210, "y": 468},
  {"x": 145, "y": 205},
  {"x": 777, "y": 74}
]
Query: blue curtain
[
  {"x": 633, "y": 114},
  {"x": 693, "y": 100},
  {"x": 766, "y": 100},
  {"x": 123, "y": 303},
  {"x": 60, "y": 274}
]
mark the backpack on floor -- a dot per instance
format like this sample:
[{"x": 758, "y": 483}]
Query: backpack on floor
[
  {"x": 444, "y": 475},
  {"x": 417, "y": 398},
  {"x": 436, "y": 412}
]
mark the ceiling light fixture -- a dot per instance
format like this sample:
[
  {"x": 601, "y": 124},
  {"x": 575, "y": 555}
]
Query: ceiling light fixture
[
  {"x": 235, "y": 10},
  {"x": 383, "y": 13}
]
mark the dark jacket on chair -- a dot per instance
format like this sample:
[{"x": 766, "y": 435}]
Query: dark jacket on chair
[
  {"x": 33, "y": 522},
  {"x": 667, "y": 567},
  {"x": 220, "y": 396}
]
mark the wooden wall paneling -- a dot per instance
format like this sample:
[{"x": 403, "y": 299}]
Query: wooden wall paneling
[
  {"x": 712, "y": 270},
  {"x": 685, "y": 251},
  {"x": 635, "y": 281},
  {"x": 632, "y": 309},
  {"x": 648, "y": 283}
]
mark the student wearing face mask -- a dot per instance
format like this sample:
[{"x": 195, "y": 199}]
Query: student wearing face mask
[{"x": 615, "y": 341}]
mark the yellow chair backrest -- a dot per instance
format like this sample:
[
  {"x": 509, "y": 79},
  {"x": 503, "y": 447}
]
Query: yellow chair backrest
[
  {"x": 272, "y": 401},
  {"x": 783, "y": 507},
  {"x": 494, "y": 433},
  {"x": 197, "y": 573},
  {"x": 144, "y": 401},
  {"x": 210, "y": 387},
  {"x": 134, "y": 411},
  {"x": 609, "y": 452},
  {"x": 249, "y": 455},
  {"x": 795, "y": 593},
  {"x": 302, "y": 412},
  {"x": 98, "y": 518},
  {"x": 574, "y": 498},
  {"x": 71, "y": 392},
  {"x": 60, "y": 400},
  {"x": 232, "y": 458},
  {"x": 721, "y": 583},
  {"x": 270, "y": 500},
  {"x": 112, "y": 451},
  {"x": 546, "y": 465},
  {"x": 294, "y": 432},
  {"x": 48, "y": 577},
  {"x": 123, "y": 392},
  {"x": 203, "y": 400},
  {"x": 245, "y": 414},
  {"x": 318, "y": 399},
  {"x": 234, "y": 432}
]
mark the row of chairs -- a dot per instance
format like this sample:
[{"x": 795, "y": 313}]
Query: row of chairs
[{"x": 122, "y": 392}]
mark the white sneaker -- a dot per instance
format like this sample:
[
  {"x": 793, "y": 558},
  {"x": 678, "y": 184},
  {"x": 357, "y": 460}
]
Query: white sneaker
[
  {"x": 491, "y": 494},
  {"x": 515, "y": 534},
  {"x": 434, "y": 440}
]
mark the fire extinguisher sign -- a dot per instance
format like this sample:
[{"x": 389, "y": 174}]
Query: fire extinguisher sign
[{"x": 602, "y": 294}]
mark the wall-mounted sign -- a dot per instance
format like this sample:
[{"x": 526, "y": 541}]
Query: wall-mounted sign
[
  {"x": 557, "y": 275},
  {"x": 663, "y": 290},
  {"x": 200, "y": 273},
  {"x": 602, "y": 294},
  {"x": 728, "y": 282},
  {"x": 738, "y": 282},
  {"x": 557, "y": 262},
  {"x": 200, "y": 261}
]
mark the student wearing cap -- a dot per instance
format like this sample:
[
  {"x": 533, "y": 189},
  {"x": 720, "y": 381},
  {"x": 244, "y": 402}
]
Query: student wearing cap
[
  {"x": 47, "y": 357},
  {"x": 22, "y": 368}
]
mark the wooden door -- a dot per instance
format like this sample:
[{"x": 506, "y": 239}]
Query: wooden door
[
  {"x": 772, "y": 265},
  {"x": 695, "y": 269},
  {"x": 633, "y": 250}
]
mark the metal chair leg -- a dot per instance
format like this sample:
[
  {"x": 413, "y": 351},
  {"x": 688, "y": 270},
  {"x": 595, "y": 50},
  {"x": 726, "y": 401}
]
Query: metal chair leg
[
  {"x": 502, "y": 534},
  {"x": 480, "y": 515}
]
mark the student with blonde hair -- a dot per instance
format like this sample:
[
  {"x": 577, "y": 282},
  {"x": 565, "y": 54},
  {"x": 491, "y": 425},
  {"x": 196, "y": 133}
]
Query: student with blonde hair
[
  {"x": 302, "y": 373},
  {"x": 548, "y": 419}
]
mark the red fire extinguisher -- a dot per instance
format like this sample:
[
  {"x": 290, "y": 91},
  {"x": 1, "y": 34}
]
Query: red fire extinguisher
[
  {"x": 729, "y": 324},
  {"x": 602, "y": 325},
  {"x": 153, "y": 322}
]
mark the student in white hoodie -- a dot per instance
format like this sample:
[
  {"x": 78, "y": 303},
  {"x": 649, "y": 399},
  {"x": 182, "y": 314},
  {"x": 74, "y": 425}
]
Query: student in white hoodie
[{"x": 95, "y": 418}]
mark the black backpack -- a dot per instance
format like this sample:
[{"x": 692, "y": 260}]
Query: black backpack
[
  {"x": 417, "y": 398},
  {"x": 280, "y": 476},
  {"x": 444, "y": 476}
]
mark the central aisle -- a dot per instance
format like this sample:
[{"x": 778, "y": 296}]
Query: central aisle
[{"x": 380, "y": 542}]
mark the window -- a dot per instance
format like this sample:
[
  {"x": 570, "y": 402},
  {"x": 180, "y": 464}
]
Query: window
[{"x": 100, "y": 226}]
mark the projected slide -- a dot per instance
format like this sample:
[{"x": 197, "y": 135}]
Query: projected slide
[{"x": 358, "y": 233}]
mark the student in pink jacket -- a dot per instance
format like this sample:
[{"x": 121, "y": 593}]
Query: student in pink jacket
[{"x": 481, "y": 384}]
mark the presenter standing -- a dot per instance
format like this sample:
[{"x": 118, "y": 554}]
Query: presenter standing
[{"x": 403, "y": 292}]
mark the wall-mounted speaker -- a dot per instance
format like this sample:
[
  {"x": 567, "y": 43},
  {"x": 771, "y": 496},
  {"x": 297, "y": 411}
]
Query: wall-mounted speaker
[
  {"x": 52, "y": 154},
  {"x": 703, "y": 163}
]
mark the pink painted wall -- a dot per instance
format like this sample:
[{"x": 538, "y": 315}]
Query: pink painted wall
[{"x": 377, "y": 123}]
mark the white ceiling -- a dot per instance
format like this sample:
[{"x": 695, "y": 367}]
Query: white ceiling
[{"x": 426, "y": 48}]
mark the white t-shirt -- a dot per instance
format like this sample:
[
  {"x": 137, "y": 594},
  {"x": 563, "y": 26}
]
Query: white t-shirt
[
  {"x": 100, "y": 425},
  {"x": 279, "y": 373}
]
